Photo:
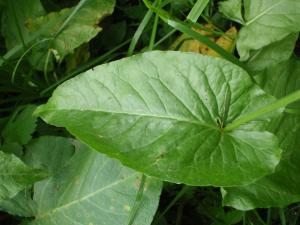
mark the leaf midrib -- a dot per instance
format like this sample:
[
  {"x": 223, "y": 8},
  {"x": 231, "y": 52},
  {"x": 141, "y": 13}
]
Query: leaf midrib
[{"x": 194, "y": 122}]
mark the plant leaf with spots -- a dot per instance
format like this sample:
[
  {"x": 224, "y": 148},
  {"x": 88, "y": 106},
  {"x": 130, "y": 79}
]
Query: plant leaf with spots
[
  {"x": 86, "y": 187},
  {"x": 71, "y": 27},
  {"x": 162, "y": 113}
]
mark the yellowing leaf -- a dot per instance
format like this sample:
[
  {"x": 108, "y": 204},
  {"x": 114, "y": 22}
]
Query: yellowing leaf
[
  {"x": 186, "y": 44},
  {"x": 227, "y": 42}
]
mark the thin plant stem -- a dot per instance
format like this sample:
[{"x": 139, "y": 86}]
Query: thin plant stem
[
  {"x": 139, "y": 32},
  {"x": 172, "y": 203},
  {"x": 197, "y": 10},
  {"x": 282, "y": 216},
  {"x": 266, "y": 109},
  {"x": 70, "y": 17},
  {"x": 259, "y": 218},
  {"x": 142, "y": 27},
  {"x": 46, "y": 65},
  {"x": 23, "y": 55},
  {"x": 164, "y": 38},
  {"x": 154, "y": 30},
  {"x": 179, "y": 214},
  {"x": 138, "y": 201},
  {"x": 85, "y": 67},
  {"x": 187, "y": 29},
  {"x": 269, "y": 214}
]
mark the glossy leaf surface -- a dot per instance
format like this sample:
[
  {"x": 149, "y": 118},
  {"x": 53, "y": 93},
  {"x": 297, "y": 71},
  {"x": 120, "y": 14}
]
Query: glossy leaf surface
[{"x": 163, "y": 113}]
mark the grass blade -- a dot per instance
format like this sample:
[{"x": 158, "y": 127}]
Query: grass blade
[
  {"x": 70, "y": 17},
  {"x": 138, "y": 201},
  {"x": 172, "y": 203},
  {"x": 154, "y": 30},
  {"x": 267, "y": 109},
  {"x": 197, "y": 10},
  {"x": 139, "y": 32},
  {"x": 282, "y": 216},
  {"x": 187, "y": 29},
  {"x": 141, "y": 28},
  {"x": 23, "y": 55}
]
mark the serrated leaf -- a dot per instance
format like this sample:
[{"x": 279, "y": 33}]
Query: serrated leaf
[
  {"x": 81, "y": 28},
  {"x": 20, "y": 127},
  {"x": 88, "y": 188},
  {"x": 16, "y": 176},
  {"x": 265, "y": 22},
  {"x": 159, "y": 113},
  {"x": 282, "y": 187},
  {"x": 20, "y": 205}
]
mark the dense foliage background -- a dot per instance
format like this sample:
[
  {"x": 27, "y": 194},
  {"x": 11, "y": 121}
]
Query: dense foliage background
[{"x": 48, "y": 177}]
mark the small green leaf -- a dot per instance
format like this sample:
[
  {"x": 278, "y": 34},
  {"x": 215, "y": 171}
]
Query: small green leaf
[
  {"x": 16, "y": 176},
  {"x": 158, "y": 113}
]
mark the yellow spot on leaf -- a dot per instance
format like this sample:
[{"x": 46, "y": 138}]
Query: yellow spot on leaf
[{"x": 127, "y": 208}]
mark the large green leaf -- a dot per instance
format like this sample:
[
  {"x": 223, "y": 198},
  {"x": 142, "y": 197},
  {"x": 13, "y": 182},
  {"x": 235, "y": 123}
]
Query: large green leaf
[
  {"x": 87, "y": 188},
  {"x": 16, "y": 176},
  {"x": 163, "y": 113},
  {"x": 282, "y": 187},
  {"x": 71, "y": 27},
  {"x": 265, "y": 22}
]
